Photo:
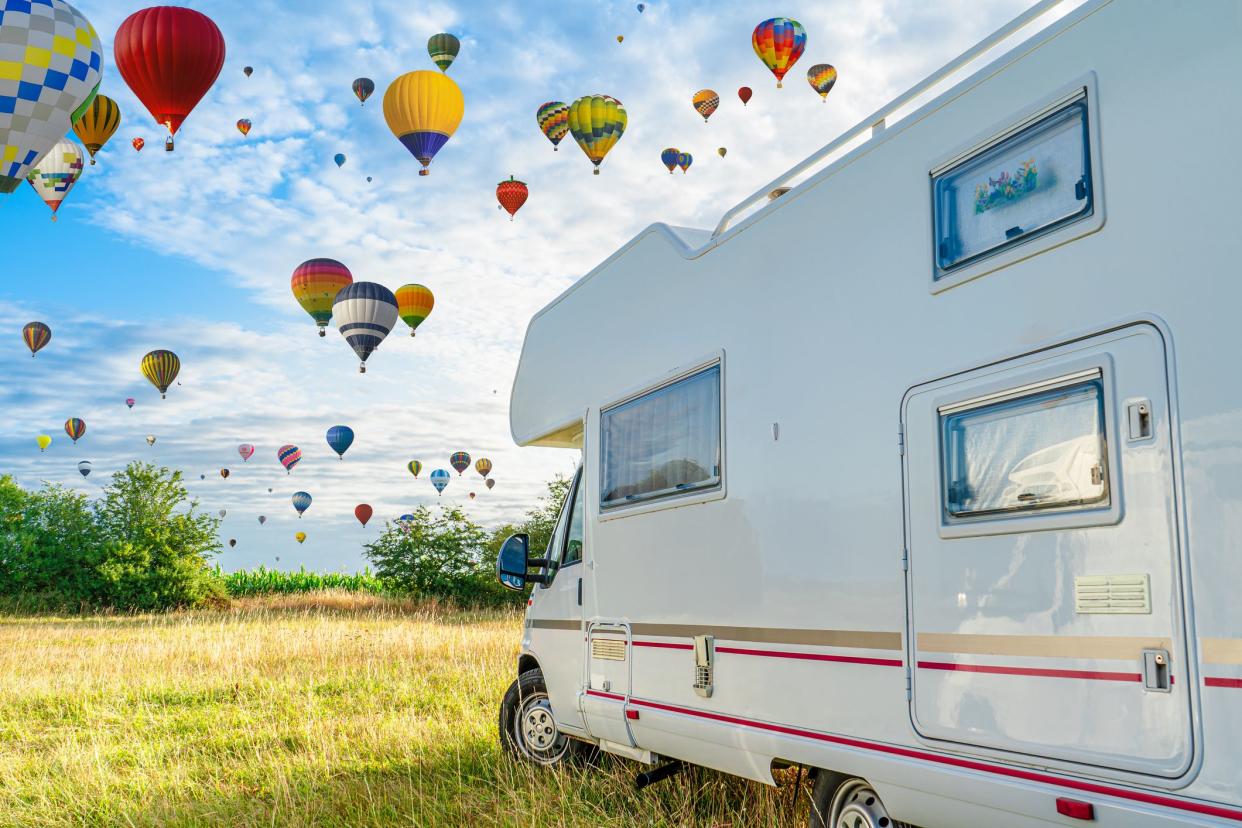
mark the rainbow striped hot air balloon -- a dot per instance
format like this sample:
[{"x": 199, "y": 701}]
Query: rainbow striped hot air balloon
[
  {"x": 459, "y": 461},
  {"x": 779, "y": 42},
  {"x": 423, "y": 110},
  {"x": 363, "y": 87},
  {"x": 414, "y": 304},
  {"x": 301, "y": 502},
  {"x": 161, "y": 369},
  {"x": 289, "y": 456},
  {"x": 75, "y": 428},
  {"x": 440, "y": 479},
  {"x": 669, "y": 158},
  {"x": 553, "y": 120},
  {"x": 365, "y": 313},
  {"x": 415, "y": 467},
  {"x": 821, "y": 77},
  {"x": 597, "y": 123},
  {"x": 36, "y": 335},
  {"x": 97, "y": 124},
  {"x": 315, "y": 284}
]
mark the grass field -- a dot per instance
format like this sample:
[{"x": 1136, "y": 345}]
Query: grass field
[{"x": 330, "y": 709}]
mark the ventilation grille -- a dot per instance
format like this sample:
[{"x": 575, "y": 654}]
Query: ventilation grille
[
  {"x": 704, "y": 658},
  {"x": 1112, "y": 594},
  {"x": 608, "y": 649}
]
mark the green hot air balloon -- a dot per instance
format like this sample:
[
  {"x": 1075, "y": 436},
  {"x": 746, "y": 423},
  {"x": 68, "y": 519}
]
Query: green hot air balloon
[{"x": 443, "y": 48}]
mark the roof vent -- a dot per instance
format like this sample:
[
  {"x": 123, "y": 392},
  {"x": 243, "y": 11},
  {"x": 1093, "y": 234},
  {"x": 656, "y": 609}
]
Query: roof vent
[{"x": 778, "y": 192}]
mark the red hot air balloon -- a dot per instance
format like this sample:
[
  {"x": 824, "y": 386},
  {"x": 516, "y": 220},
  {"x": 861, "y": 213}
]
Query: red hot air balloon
[
  {"x": 169, "y": 56},
  {"x": 512, "y": 194},
  {"x": 363, "y": 512},
  {"x": 138, "y": 144},
  {"x": 744, "y": 93}
]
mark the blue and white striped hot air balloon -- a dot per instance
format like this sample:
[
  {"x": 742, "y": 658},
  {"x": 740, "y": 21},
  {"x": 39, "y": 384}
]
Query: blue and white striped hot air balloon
[
  {"x": 439, "y": 479},
  {"x": 364, "y": 312},
  {"x": 301, "y": 502}
]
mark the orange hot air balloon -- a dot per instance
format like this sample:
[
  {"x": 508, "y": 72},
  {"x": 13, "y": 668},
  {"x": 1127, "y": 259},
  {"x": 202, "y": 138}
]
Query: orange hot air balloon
[
  {"x": 315, "y": 284},
  {"x": 414, "y": 304},
  {"x": 512, "y": 194},
  {"x": 705, "y": 102},
  {"x": 243, "y": 126}
]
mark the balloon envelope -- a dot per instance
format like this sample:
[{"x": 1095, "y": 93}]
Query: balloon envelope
[
  {"x": 365, "y": 313},
  {"x": 705, "y": 102},
  {"x": 490, "y": 483},
  {"x": 299, "y": 537},
  {"x": 232, "y": 541},
  {"x": 597, "y": 123},
  {"x": 288, "y": 456},
  {"x": 340, "y": 438},
  {"x": 36, "y": 335},
  {"x": 459, "y": 461},
  {"x": 363, "y": 87},
  {"x": 248, "y": 71},
  {"x": 262, "y": 519},
  {"x": 684, "y": 160},
  {"x": 415, "y": 467},
  {"x": 363, "y": 512},
  {"x": 75, "y": 428},
  {"x": 129, "y": 401},
  {"x": 669, "y": 158},
  {"x": 243, "y": 126},
  {"x": 84, "y": 468},
  {"x": 339, "y": 158},
  {"x": 745, "y": 94},
  {"x": 52, "y": 61},
  {"x": 44, "y": 441},
  {"x": 54, "y": 176},
  {"x": 414, "y": 304},
  {"x": 512, "y": 194},
  {"x": 315, "y": 284},
  {"x": 161, "y": 369},
  {"x": 225, "y": 473},
  {"x": 138, "y": 144},
  {"x": 301, "y": 502},
  {"x": 553, "y": 120},
  {"x": 779, "y": 42},
  {"x": 822, "y": 77},
  {"x": 97, "y": 124},
  {"x": 483, "y": 466},
  {"x": 423, "y": 110},
  {"x": 246, "y": 451},
  {"x": 443, "y": 49},
  {"x": 150, "y": 439},
  {"x": 439, "y": 479}
]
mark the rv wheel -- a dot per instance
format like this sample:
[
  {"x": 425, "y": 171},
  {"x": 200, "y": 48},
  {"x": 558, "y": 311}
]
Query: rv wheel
[
  {"x": 527, "y": 729},
  {"x": 847, "y": 802}
]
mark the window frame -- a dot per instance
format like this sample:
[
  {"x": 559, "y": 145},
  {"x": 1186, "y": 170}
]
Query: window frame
[
  {"x": 577, "y": 491},
  {"x": 672, "y": 500},
  {"x": 1084, "y": 90},
  {"x": 981, "y": 392}
]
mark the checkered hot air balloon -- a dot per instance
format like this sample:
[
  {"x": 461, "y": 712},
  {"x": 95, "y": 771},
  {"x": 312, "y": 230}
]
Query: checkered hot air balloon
[
  {"x": 483, "y": 466},
  {"x": 315, "y": 284},
  {"x": 443, "y": 49},
  {"x": 459, "y": 461},
  {"x": 597, "y": 123},
  {"x": 440, "y": 479},
  {"x": 97, "y": 124},
  {"x": 288, "y": 456},
  {"x": 365, "y": 313},
  {"x": 301, "y": 502},
  {"x": 553, "y": 120},
  {"x": 821, "y": 77},
  {"x": 669, "y": 158},
  {"x": 56, "y": 173},
  {"x": 779, "y": 42},
  {"x": 50, "y": 63},
  {"x": 705, "y": 102},
  {"x": 161, "y": 369},
  {"x": 414, "y": 304},
  {"x": 36, "y": 335},
  {"x": 75, "y": 428},
  {"x": 138, "y": 144}
]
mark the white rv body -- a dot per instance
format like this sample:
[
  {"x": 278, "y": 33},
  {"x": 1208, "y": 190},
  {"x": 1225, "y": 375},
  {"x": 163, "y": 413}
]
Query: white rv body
[{"x": 974, "y": 664}]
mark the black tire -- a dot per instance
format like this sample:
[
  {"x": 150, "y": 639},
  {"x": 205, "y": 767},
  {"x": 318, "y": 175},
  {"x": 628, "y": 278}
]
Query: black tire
[
  {"x": 839, "y": 800},
  {"x": 527, "y": 730}
]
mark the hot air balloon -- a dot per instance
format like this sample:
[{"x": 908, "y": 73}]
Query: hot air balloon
[
  {"x": 459, "y": 461},
  {"x": 75, "y": 428},
  {"x": 490, "y": 483},
  {"x": 288, "y": 457},
  {"x": 821, "y": 77},
  {"x": 44, "y": 441},
  {"x": 202, "y": 477},
  {"x": 232, "y": 542},
  {"x": 483, "y": 466},
  {"x": 472, "y": 495},
  {"x": 301, "y": 502},
  {"x": 340, "y": 438},
  {"x": 315, "y": 284},
  {"x": 56, "y": 173},
  {"x": 243, "y": 126},
  {"x": 97, "y": 124},
  {"x": 363, "y": 512},
  {"x": 423, "y": 110},
  {"x": 684, "y": 160},
  {"x": 744, "y": 93},
  {"x": 722, "y": 152},
  {"x": 368, "y": 179},
  {"x": 414, "y": 304},
  {"x": 669, "y": 158},
  {"x": 415, "y": 467},
  {"x": 779, "y": 42},
  {"x": 443, "y": 49},
  {"x": 553, "y": 120},
  {"x": 246, "y": 451},
  {"x": 512, "y": 194},
  {"x": 129, "y": 401},
  {"x": 597, "y": 123},
  {"x": 224, "y": 513},
  {"x": 51, "y": 69},
  {"x": 262, "y": 519},
  {"x": 150, "y": 439},
  {"x": 169, "y": 56},
  {"x": 36, "y": 335},
  {"x": 641, "y": 6},
  {"x": 84, "y": 468},
  {"x": 225, "y": 473},
  {"x": 248, "y": 71},
  {"x": 705, "y": 102},
  {"x": 363, "y": 87},
  {"x": 365, "y": 313},
  {"x": 299, "y": 537},
  {"x": 439, "y": 479},
  {"x": 406, "y": 518},
  {"x": 620, "y": 38},
  {"x": 161, "y": 369},
  {"x": 138, "y": 144},
  {"x": 339, "y": 158}
]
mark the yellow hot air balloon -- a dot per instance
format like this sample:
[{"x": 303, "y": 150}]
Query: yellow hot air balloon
[
  {"x": 97, "y": 124},
  {"x": 423, "y": 110},
  {"x": 161, "y": 369},
  {"x": 414, "y": 304},
  {"x": 597, "y": 123},
  {"x": 299, "y": 537},
  {"x": 44, "y": 441}
]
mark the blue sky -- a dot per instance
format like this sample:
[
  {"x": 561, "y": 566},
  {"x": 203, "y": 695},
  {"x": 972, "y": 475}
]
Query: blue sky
[{"x": 193, "y": 250}]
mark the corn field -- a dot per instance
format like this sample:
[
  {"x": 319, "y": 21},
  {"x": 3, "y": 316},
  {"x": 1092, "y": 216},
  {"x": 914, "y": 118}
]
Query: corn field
[{"x": 264, "y": 581}]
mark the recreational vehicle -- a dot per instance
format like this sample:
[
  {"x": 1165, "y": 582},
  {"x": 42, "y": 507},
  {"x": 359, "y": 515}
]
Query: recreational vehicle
[{"x": 943, "y": 503}]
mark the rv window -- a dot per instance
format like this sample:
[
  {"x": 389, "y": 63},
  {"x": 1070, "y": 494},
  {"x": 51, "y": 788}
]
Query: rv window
[
  {"x": 663, "y": 444},
  {"x": 1039, "y": 451},
  {"x": 1025, "y": 185},
  {"x": 574, "y": 534}
]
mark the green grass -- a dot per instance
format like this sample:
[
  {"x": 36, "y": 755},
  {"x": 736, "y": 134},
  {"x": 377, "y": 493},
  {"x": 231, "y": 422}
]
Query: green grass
[
  {"x": 264, "y": 581},
  {"x": 328, "y": 709}
]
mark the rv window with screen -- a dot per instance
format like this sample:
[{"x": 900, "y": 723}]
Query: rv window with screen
[
  {"x": 1027, "y": 184},
  {"x": 664, "y": 443},
  {"x": 1044, "y": 450}
]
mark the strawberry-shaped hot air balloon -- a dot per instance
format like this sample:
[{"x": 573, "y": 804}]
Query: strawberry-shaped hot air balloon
[
  {"x": 779, "y": 42},
  {"x": 138, "y": 144},
  {"x": 512, "y": 194},
  {"x": 169, "y": 56}
]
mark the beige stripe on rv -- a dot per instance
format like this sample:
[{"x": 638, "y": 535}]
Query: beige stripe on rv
[
  {"x": 555, "y": 624},
  {"x": 856, "y": 639},
  {"x": 1048, "y": 646},
  {"x": 1222, "y": 650}
]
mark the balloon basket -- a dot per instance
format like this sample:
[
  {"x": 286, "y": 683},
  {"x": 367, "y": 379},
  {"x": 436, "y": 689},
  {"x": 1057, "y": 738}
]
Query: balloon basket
[
  {"x": 362, "y": 369},
  {"x": 780, "y": 85},
  {"x": 424, "y": 171},
  {"x": 92, "y": 162},
  {"x": 322, "y": 332},
  {"x": 596, "y": 171}
]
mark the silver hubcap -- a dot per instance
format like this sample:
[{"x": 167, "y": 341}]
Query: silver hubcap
[
  {"x": 536, "y": 731},
  {"x": 856, "y": 805}
]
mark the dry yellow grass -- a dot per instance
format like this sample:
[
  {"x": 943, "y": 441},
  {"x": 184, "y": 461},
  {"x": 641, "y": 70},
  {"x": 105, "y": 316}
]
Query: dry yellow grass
[{"x": 323, "y": 710}]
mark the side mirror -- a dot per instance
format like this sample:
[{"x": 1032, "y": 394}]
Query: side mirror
[{"x": 513, "y": 564}]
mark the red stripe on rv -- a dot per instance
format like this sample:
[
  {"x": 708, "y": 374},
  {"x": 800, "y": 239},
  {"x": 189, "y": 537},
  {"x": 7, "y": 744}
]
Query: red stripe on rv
[
  {"x": 879, "y": 662},
  {"x": 603, "y": 695},
  {"x": 1216, "y": 681},
  {"x": 1093, "y": 675},
  {"x": 665, "y": 645},
  {"x": 967, "y": 764}
]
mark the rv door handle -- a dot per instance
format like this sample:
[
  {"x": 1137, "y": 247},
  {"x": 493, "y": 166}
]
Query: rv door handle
[
  {"x": 1156, "y": 676},
  {"x": 579, "y": 592}
]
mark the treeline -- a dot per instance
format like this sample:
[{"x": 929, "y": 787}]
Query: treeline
[{"x": 144, "y": 544}]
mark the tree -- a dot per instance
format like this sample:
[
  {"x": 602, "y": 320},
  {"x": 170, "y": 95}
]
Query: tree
[{"x": 48, "y": 545}]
